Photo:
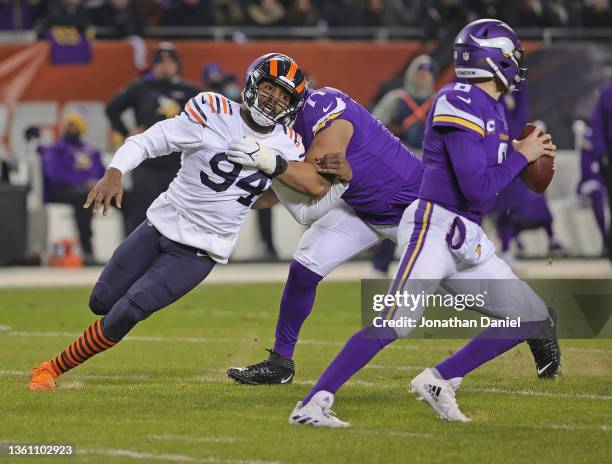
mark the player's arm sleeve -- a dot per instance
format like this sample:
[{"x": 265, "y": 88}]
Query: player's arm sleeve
[
  {"x": 303, "y": 177},
  {"x": 477, "y": 180},
  {"x": 117, "y": 105},
  {"x": 304, "y": 209},
  {"x": 455, "y": 111},
  {"x": 171, "y": 135}
]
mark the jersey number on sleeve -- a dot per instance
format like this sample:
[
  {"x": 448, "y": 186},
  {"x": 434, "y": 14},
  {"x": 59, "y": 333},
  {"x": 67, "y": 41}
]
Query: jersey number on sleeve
[{"x": 254, "y": 184}]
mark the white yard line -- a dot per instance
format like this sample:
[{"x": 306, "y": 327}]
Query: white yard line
[
  {"x": 358, "y": 383},
  {"x": 126, "y": 453},
  {"x": 187, "y": 438},
  {"x": 603, "y": 428},
  {"x": 572, "y": 395},
  {"x": 388, "y": 433}
]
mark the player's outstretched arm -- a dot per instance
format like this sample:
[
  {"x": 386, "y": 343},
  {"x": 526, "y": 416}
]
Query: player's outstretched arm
[
  {"x": 266, "y": 200},
  {"x": 163, "y": 138},
  {"x": 325, "y": 160}
]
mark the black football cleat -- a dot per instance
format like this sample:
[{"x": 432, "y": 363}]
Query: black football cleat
[
  {"x": 546, "y": 350},
  {"x": 274, "y": 371}
]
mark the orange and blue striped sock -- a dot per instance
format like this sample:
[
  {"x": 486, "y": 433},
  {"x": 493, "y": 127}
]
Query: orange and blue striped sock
[{"x": 92, "y": 342}]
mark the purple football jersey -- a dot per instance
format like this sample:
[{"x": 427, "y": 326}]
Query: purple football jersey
[
  {"x": 598, "y": 141},
  {"x": 386, "y": 175},
  {"x": 465, "y": 169}
]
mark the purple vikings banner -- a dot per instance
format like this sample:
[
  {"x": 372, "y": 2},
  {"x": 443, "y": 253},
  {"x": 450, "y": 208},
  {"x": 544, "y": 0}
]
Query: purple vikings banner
[{"x": 68, "y": 45}]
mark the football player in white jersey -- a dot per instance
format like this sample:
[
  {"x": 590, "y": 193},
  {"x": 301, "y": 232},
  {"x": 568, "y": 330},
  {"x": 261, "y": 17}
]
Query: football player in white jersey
[{"x": 230, "y": 154}]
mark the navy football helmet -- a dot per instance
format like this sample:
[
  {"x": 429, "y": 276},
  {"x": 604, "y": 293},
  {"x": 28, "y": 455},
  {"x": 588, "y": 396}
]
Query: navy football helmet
[{"x": 281, "y": 70}]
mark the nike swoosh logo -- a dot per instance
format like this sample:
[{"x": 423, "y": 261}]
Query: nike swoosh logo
[
  {"x": 466, "y": 100},
  {"x": 201, "y": 253},
  {"x": 326, "y": 108},
  {"x": 544, "y": 368},
  {"x": 287, "y": 379},
  {"x": 251, "y": 153}
]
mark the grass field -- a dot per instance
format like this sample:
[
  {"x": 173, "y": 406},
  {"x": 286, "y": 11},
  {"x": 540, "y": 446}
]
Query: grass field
[{"x": 162, "y": 395}]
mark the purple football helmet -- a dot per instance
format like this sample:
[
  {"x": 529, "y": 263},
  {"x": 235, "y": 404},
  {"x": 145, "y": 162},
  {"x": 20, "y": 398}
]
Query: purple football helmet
[{"x": 490, "y": 48}]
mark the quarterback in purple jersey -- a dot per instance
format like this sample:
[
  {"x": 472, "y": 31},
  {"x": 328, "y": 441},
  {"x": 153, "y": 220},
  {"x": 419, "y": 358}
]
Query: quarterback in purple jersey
[
  {"x": 468, "y": 158},
  {"x": 385, "y": 180}
]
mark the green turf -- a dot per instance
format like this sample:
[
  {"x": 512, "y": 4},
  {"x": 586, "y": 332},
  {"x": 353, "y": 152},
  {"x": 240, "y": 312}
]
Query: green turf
[{"x": 168, "y": 394}]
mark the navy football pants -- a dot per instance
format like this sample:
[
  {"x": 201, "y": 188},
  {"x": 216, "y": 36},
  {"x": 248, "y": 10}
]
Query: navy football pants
[{"x": 146, "y": 273}]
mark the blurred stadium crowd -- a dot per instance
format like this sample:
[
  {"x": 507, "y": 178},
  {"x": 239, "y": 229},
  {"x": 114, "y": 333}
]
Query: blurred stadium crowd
[{"x": 131, "y": 17}]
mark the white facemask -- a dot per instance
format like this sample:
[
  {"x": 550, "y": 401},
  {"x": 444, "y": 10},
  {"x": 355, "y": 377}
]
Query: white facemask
[{"x": 259, "y": 118}]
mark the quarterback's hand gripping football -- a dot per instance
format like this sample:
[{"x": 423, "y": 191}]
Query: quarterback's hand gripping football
[{"x": 252, "y": 153}]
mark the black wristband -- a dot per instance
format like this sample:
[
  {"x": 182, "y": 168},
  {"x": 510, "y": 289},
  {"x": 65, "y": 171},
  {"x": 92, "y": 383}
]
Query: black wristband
[{"x": 281, "y": 166}]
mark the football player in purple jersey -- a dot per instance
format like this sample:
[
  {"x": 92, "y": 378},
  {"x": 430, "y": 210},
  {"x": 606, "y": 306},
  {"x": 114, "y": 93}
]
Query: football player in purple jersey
[
  {"x": 468, "y": 158},
  {"x": 385, "y": 180}
]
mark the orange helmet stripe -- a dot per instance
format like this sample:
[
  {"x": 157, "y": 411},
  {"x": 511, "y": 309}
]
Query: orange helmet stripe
[
  {"x": 212, "y": 102},
  {"x": 300, "y": 87},
  {"x": 274, "y": 67},
  {"x": 292, "y": 71}
]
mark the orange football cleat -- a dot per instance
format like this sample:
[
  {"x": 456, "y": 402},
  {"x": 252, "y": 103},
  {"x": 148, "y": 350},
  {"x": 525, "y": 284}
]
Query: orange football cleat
[{"x": 43, "y": 377}]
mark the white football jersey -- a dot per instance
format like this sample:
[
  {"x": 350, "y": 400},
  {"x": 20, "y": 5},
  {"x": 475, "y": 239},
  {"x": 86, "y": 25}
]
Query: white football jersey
[{"x": 210, "y": 197}]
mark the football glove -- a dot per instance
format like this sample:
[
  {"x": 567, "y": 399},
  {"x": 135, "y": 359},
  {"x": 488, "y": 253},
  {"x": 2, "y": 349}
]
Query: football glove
[{"x": 253, "y": 153}]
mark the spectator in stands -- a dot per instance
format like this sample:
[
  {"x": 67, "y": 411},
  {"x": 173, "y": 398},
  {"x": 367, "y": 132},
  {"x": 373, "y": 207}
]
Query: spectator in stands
[
  {"x": 215, "y": 80},
  {"x": 403, "y": 111},
  {"x": 538, "y": 13},
  {"x": 21, "y": 14},
  {"x": 302, "y": 13},
  {"x": 265, "y": 12},
  {"x": 597, "y": 13},
  {"x": 160, "y": 95},
  {"x": 398, "y": 13},
  {"x": 227, "y": 12},
  {"x": 121, "y": 16},
  {"x": 344, "y": 13},
  {"x": 67, "y": 13},
  {"x": 187, "y": 13},
  {"x": 70, "y": 168},
  {"x": 476, "y": 9}
]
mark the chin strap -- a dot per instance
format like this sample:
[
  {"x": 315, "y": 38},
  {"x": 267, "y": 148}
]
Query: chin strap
[
  {"x": 259, "y": 117},
  {"x": 498, "y": 73}
]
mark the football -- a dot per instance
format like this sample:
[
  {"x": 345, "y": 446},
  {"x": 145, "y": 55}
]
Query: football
[{"x": 538, "y": 174}]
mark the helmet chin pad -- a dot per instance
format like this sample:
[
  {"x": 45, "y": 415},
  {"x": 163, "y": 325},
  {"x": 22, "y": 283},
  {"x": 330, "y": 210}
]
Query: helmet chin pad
[{"x": 259, "y": 118}]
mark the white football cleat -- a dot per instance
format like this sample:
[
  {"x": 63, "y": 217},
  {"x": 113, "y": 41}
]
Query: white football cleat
[
  {"x": 317, "y": 412},
  {"x": 439, "y": 394}
]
